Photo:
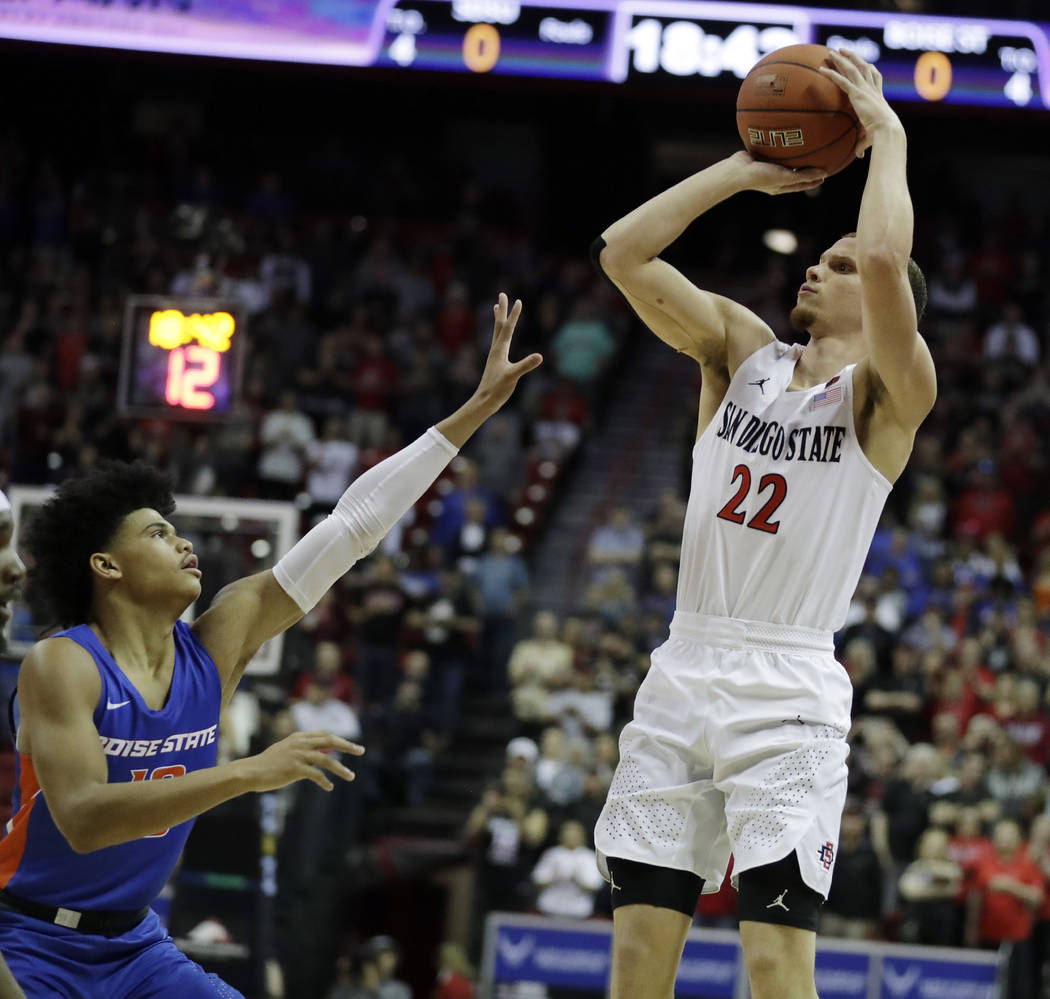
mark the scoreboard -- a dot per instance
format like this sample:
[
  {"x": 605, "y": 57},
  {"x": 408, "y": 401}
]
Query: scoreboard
[
  {"x": 180, "y": 358},
  {"x": 971, "y": 61}
]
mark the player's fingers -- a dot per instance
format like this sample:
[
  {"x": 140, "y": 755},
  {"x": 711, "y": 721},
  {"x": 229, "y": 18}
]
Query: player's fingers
[
  {"x": 806, "y": 174},
  {"x": 850, "y": 64},
  {"x": 332, "y": 764},
  {"x": 318, "y": 777},
  {"x": 511, "y": 321},
  {"x": 321, "y": 739},
  {"x": 525, "y": 365},
  {"x": 843, "y": 82}
]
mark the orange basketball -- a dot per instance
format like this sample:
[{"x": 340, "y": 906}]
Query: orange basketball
[{"x": 788, "y": 113}]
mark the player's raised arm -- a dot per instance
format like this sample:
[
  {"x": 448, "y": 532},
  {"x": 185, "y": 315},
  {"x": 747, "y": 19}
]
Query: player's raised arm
[
  {"x": 59, "y": 687},
  {"x": 689, "y": 319},
  {"x": 898, "y": 356},
  {"x": 248, "y": 612}
]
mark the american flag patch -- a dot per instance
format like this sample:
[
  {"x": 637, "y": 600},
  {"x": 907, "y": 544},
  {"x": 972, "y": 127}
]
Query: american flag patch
[{"x": 827, "y": 398}]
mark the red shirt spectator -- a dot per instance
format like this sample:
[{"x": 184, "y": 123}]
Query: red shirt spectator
[
  {"x": 1009, "y": 888},
  {"x": 374, "y": 377},
  {"x": 985, "y": 506}
]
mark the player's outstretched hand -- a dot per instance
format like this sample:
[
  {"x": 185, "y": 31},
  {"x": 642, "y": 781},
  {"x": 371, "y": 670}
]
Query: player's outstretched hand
[
  {"x": 771, "y": 178},
  {"x": 501, "y": 374},
  {"x": 298, "y": 756},
  {"x": 862, "y": 84}
]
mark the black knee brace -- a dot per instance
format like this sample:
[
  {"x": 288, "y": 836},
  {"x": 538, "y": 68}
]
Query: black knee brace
[
  {"x": 776, "y": 893},
  {"x": 634, "y": 883}
]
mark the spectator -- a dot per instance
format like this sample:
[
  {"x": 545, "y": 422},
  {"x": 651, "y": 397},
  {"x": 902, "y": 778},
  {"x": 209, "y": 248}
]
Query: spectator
[
  {"x": 984, "y": 505},
  {"x": 502, "y": 585},
  {"x": 522, "y": 753},
  {"x": 969, "y": 847},
  {"x": 357, "y": 976},
  {"x": 537, "y": 666},
  {"x": 583, "y": 708},
  {"x": 387, "y": 957},
  {"x": 330, "y": 465},
  {"x": 449, "y": 627},
  {"x": 506, "y": 828},
  {"x": 1037, "y": 851},
  {"x": 567, "y": 875},
  {"x": 854, "y": 903},
  {"x": 1029, "y": 725},
  {"x": 284, "y": 435},
  {"x": 1009, "y": 891},
  {"x": 472, "y": 537},
  {"x": 562, "y": 414},
  {"x": 929, "y": 888},
  {"x": 328, "y": 666},
  {"x": 902, "y": 816},
  {"x": 374, "y": 379},
  {"x": 582, "y": 345},
  {"x": 617, "y": 544},
  {"x": 901, "y": 696},
  {"x": 454, "y": 504},
  {"x": 1011, "y": 339},
  {"x": 1015, "y": 781},
  {"x": 381, "y": 607},
  {"x": 321, "y": 709},
  {"x": 403, "y": 740},
  {"x": 455, "y": 975},
  {"x": 558, "y": 775}
]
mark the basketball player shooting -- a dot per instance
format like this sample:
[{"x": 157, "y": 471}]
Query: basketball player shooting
[
  {"x": 119, "y": 713},
  {"x": 738, "y": 741}
]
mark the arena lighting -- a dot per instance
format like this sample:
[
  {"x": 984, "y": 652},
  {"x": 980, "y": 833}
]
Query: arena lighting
[
  {"x": 958, "y": 60},
  {"x": 780, "y": 240}
]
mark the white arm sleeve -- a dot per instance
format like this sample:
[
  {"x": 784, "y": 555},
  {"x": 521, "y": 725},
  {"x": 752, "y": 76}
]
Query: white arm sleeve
[{"x": 361, "y": 519}]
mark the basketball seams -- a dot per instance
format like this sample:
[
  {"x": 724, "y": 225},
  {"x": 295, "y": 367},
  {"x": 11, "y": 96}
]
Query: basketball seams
[{"x": 825, "y": 111}]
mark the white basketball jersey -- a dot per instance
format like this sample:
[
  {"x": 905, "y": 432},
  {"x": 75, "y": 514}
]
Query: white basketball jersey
[{"x": 783, "y": 502}]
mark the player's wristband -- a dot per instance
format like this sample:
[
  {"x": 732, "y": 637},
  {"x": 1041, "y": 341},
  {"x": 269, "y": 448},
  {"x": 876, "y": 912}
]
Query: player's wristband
[{"x": 361, "y": 519}]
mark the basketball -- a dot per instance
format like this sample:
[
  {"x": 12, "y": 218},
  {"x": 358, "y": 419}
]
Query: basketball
[{"x": 789, "y": 113}]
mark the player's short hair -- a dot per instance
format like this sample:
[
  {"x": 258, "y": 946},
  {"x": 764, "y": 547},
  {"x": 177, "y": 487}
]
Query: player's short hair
[
  {"x": 80, "y": 519},
  {"x": 916, "y": 279}
]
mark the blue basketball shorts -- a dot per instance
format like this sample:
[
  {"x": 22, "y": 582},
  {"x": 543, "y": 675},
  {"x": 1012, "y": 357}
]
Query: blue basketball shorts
[{"x": 53, "y": 962}]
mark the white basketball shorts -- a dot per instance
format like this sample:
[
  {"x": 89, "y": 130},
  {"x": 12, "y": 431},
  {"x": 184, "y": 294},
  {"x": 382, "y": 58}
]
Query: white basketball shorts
[{"x": 738, "y": 745}]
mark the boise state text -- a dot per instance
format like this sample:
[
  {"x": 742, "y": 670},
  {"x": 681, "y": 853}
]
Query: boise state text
[
  {"x": 155, "y": 747},
  {"x": 754, "y": 434}
]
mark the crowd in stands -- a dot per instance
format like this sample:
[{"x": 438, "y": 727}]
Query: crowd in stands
[{"x": 365, "y": 331}]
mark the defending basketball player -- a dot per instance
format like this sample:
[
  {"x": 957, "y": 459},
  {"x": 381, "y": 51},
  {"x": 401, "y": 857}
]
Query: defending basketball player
[
  {"x": 12, "y": 572},
  {"x": 119, "y": 713},
  {"x": 738, "y": 741}
]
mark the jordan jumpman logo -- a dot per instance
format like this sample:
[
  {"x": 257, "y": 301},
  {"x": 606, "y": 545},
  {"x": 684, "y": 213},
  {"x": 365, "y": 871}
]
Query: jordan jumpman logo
[
  {"x": 779, "y": 900},
  {"x": 761, "y": 383}
]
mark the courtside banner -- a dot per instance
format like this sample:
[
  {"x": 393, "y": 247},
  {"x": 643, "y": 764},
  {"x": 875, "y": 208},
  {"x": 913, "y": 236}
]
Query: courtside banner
[
  {"x": 560, "y": 957},
  {"x": 842, "y": 974},
  {"x": 921, "y": 978},
  {"x": 577, "y": 956}
]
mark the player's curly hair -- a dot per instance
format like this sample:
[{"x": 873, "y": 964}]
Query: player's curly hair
[{"x": 81, "y": 519}]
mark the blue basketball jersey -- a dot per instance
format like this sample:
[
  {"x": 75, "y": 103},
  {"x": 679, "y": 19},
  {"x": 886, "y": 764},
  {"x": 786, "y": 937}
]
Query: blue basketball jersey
[{"x": 36, "y": 861}]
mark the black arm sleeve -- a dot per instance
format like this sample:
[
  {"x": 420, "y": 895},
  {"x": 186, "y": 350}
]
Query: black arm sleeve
[{"x": 596, "y": 249}]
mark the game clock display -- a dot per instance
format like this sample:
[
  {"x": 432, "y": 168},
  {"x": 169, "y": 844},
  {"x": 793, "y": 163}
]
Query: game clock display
[
  {"x": 181, "y": 358},
  {"x": 955, "y": 60}
]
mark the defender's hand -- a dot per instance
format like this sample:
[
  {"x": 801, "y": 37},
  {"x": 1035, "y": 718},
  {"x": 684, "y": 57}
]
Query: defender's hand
[
  {"x": 862, "y": 84},
  {"x": 771, "y": 178},
  {"x": 300, "y": 755},
  {"x": 501, "y": 374}
]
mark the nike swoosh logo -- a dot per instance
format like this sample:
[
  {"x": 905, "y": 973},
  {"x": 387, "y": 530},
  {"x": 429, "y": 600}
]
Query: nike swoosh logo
[{"x": 110, "y": 705}]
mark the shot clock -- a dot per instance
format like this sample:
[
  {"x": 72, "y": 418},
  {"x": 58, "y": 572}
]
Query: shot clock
[{"x": 181, "y": 358}]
